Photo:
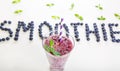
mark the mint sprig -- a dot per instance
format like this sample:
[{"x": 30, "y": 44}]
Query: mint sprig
[
  {"x": 117, "y": 15},
  {"x": 50, "y": 4},
  {"x": 51, "y": 43},
  {"x": 50, "y": 48},
  {"x": 16, "y": 1},
  {"x": 99, "y": 7},
  {"x": 78, "y": 16},
  {"x": 101, "y": 18},
  {"x": 72, "y": 6},
  {"x": 18, "y": 11},
  {"x": 55, "y": 17}
]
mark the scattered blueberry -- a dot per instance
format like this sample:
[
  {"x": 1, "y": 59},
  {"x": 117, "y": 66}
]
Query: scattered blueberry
[{"x": 3, "y": 39}]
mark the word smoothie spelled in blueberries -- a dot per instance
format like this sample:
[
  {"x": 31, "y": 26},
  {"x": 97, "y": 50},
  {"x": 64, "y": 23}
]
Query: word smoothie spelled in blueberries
[{"x": 88, "y": 31}]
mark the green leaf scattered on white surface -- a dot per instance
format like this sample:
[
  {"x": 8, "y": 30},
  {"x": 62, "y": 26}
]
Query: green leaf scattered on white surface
[
  {"x": 16, "y": 1},
  {"x": 18, "y": 11},
  {"x": 78, "y": 16}
]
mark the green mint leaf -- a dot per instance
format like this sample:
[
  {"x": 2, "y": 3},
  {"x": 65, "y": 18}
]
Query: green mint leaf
[
  {"x": 116, "y": 15},
  {"x": 52, "y": 50},
  {"x": 78, "y": 16},
  {"x": 101, "y": 18},
  {"x": 55, "y": 17},
  {"x": 16, "y": 1},
  {"x": 56, "y": 53},
  {"x": 51, "y": 43},
  {"x": 47, "y": 48},
  {"x": 18, "y": 11},
  {"x": 50, "y": 4},
  {"x": 99, "y": 7},
  {"x": 98, "y": 18},
  {"x": 72, "y": 6}
]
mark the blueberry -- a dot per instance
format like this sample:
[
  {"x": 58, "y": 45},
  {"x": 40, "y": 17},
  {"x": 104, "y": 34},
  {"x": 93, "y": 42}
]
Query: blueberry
[
  {"x": 55, "y": 28},
  {"x": 39, "y": 29},
  {"x": 5, "y": 29},
  {"x": 64, "y": 25},
  {"x": 118, "y": 32},
  {"x": 71, "y": 24},
  {"x": 2, "y": 24},
  {"x": 51, "y": 33},
  {"x": 3, "y": 39},
  {"x": 113, "y": 40},
  {"x": 7, "y": 38},
  {"x": 11, "y": 35},
  {"x": 32, "y": 27},
  {"x": 45, "y": 22},
  {"x": 104, "y": 33},
  {"x": 30, "y": 38},
  {"x": 31, "y": 35},
  {"x": 9, "y": 22},
  {"x": 117, "y": 41},
  {"x": 50, "y": 28},
  {"x": 90, "y": 31},
  {"x": 32, "y": 21},
  {"x": 81, "y": 23},
  {"x": 112, "y": 24},
  {"x": 5, "y": 21},
  {"x": 2, "y": 28},
  {"x": 56, "y": 32},
  {"x": 19, "y": 24},
  {"x": 41, "y": 24},
  {"x": 67, "y": 34},
  {"x": 17, "y": 29},
  {"x": 31, "y": 30},
  {"x": 76, "y": 32},
  {"x": 97, "y": 40},
  {"x": 41, "y": 35},
  {"x": 75, "y": 26},
  {"x": 56, "y": 24},
  {"x": 75, "y": 29},
  {"x": 78, "y": 23},
  {"x": 28, "y": 26},
  {"x": 15, "y": 38},
  {"x": 102, "y": 24},
  {"x": 77, "y": 39},
  {"x": 116, "y": 25},
  {"x": 87, "y": 35},
  {"x": 76, "y": 36},
  {"x": 94, "y": 24},
  {"x": 88, "y": 39},
  {"x": 16, "y": 35}
]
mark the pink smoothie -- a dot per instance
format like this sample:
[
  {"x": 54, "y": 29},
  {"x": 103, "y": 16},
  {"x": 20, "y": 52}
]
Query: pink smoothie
[{"x": 63, "y": 45}]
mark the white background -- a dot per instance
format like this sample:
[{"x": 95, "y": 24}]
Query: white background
[{"x": 25, "y": 55}]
